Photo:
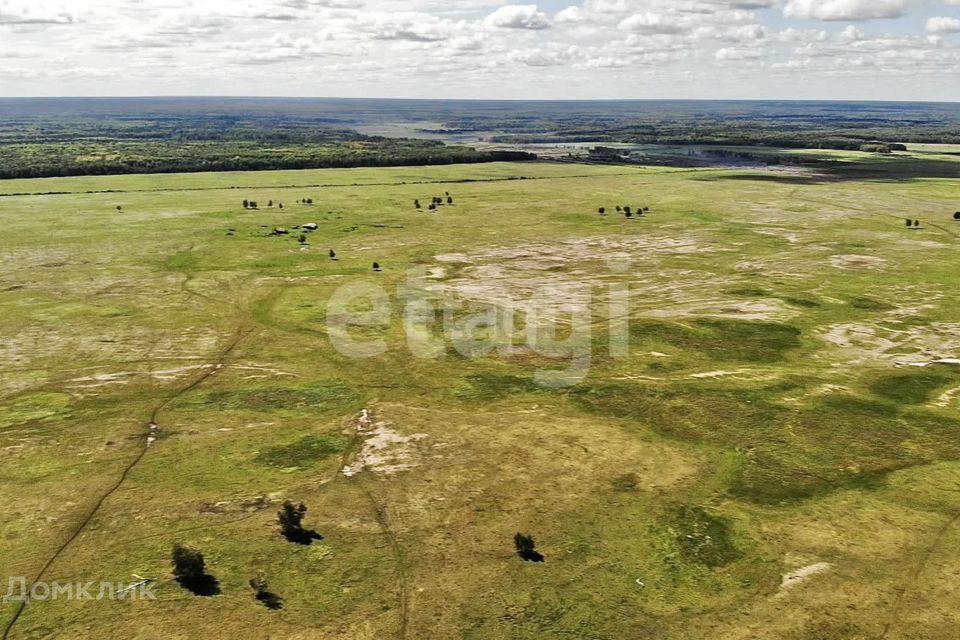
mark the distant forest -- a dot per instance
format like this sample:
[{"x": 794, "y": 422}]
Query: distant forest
[
  {"x": 74, "y": 136},
  {"x": 852, "y": 126},
  {"x": 69, "y": 138},
  {"x": 107, "y": 155}
]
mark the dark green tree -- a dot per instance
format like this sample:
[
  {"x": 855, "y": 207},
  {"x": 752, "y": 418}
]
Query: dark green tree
[
  {"x": 188, "y": 564},
  {"x": 290, "y": 518},
  {"x": 527, "y": 548},
  {"x": 190, "y": 570}
]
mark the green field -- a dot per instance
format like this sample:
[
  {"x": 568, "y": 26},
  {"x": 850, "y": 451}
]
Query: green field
[{"x": 771, "y": 451}]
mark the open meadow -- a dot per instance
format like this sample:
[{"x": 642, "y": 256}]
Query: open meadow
[{"x": 740, "y": 417}]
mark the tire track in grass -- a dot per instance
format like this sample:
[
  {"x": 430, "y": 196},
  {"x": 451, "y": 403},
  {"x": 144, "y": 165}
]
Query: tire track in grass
[
  {"x": 238, "y": 337},
  {"x": 901, "y": 592},
  {"x": 380, "y": 513},
  {"x": 383, "y": 520}
]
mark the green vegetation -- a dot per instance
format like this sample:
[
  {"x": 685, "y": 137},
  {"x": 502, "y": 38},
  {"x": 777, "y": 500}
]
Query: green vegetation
[
  {"x": 915, "y": 388},
  {"x": 104, "y": 157},
  {"x": 765, "y": 461},
  {"x": 730, "y": 340},
  {"x": 303, "y": 452},
  {"x": 703, "y": 538}
]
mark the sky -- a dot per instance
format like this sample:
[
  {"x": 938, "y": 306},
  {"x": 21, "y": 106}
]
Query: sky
[{"x": 486, "y": 49}]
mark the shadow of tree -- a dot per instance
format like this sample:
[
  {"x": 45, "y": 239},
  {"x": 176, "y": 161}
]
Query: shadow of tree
[
  {"x": 302, "y": 536},
  {"x": 270, "y": 600},
  {"x": 205, "y": 585}
]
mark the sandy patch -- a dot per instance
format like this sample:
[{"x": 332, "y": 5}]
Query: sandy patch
[
  {"x": 573, "y": 278},
  {"x": 933, "y": 362},
  {"x": 165, "y": 375},
  {"x": 384, "y": 450},
  {"x": 947, "y": 398},
  {"x": 798, "y": 577},
  {"x": 739, "y": 373},
  {"x": 915, "y": 346},
  {"x": 789, "y": 236},
  {"x": 858, "y": 262}
]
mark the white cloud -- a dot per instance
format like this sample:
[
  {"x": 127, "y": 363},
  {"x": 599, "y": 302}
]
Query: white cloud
[
  {"x": 653, "y": 23},
  {"x": 571, "y": 14},
  {"x": 847, "y": 10},
  {"x": 851, "y": 34},
  {"x": 20, "y": 12},
  {"x": 734, "y": 53},
  {"x": 518, "y": 16},
  {"x": 943, "y": 24},
  {"x": 478, "y": 48}
]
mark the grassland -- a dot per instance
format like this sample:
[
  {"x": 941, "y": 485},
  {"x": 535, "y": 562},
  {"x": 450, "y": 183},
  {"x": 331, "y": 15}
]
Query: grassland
[{"x": 769, "y": 459}]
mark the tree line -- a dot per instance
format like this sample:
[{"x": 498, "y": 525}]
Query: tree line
[{"x": 48, "y": 160}]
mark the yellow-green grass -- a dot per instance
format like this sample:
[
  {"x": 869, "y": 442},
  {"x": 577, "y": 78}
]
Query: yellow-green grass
[{"x": 766, "y": 418}]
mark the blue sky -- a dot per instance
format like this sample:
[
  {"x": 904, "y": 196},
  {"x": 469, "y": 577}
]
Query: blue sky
[{"x": 777, "y": 49}]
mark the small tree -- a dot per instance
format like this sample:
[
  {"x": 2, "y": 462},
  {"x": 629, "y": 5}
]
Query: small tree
[
  {"x": 269, "y": 203},
  {"x": 449, "y": 199},
  {"x": 527, "y": 548},
  {"x": 246, "y": 204},
  {"x": 290, "y": 518},
  {"x": 190, "y": 570},
  {"x": 602, "y": 211},
  {"x": 119, "y": 209},
  {"x": 188, "y": 564},
  {"x": 909, "y": 223},
  {"x": 262, "y": 593},
  {"x": 956, "y": 216},
  {"x": 333, "y": 254},
  {"x": 376, "y": 266},
  {"x": 302, "y": 239},
  {"x": 628, "y": 211},
  {"x": 280, "y": 204},
  {"x": 416, "y": 204}
]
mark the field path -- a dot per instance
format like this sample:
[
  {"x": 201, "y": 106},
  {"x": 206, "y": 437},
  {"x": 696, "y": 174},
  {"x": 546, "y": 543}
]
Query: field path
[
  {"x": 150, "y": 428},
  {"x": 901, "y": 593}
]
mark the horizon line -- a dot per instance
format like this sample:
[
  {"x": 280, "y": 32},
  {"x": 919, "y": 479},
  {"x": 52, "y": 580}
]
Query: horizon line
[{"x": 419, "y": 99}]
